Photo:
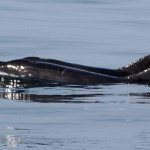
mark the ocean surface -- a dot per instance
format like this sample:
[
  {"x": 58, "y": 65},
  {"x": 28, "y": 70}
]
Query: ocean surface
[{"x": 101, "y": 33}]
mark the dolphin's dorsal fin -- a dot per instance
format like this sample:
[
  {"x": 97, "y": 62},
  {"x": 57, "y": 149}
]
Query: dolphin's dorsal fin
[{"x": 137, "y": 66}]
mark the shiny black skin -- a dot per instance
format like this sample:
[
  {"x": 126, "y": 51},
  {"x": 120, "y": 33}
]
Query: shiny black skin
[{"x": 51, "y": 70}]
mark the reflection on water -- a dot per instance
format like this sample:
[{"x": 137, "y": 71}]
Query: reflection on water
[
  {"x": 24, "y": 89},
  {"x": 18, "y": 89},
  {"x": 45, "y": 98}
]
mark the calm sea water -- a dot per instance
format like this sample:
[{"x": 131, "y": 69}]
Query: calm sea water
[{"x": 101, "y": 33}]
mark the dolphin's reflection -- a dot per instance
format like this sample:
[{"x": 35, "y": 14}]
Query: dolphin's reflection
[
  {"x": 20, "y": 95},
  {"x": 19, "y": 89},
  {"x": 143, "y": 98},
  {"x": 140, "y": 98}
]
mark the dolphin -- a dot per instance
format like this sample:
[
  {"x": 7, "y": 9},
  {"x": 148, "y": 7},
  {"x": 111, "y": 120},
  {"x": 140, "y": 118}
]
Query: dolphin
[{"x": 52, "y": 70}]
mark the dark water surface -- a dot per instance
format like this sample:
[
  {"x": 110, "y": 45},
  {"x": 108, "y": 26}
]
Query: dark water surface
[{"x": 92, "y": 32}]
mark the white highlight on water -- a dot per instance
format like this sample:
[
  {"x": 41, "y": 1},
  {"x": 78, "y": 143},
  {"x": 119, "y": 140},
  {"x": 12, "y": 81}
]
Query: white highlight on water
[{"x": 12, "y": 141}]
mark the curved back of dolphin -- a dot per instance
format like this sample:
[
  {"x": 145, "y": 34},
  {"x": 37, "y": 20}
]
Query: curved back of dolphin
[
  {"x": 68, "y": 73},
  {"x": 53, "y": 72},
  {"x": 132, "y": 68},
  {"x": 105, "y": 71}
]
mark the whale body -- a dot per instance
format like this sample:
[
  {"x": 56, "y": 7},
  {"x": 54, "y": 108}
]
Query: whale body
[{"x": 52, "y": 70}]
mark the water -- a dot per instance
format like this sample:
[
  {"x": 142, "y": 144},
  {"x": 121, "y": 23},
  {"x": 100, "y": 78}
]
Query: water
[{"x": 93, "y": 32}]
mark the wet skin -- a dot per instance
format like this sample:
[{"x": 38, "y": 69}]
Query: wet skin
[{"x": 67, "y": 73}]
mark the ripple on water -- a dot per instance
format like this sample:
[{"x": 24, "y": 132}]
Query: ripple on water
[{"x": 33, "y": 91}]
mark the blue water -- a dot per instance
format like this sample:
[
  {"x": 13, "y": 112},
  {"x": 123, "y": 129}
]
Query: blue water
[{"x": 102, "y": 33}]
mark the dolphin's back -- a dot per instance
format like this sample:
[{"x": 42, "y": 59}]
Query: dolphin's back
[
  {"x": 137, "y": 66},
  {"x": 142, "y": 77},
  {"x": 68, "y": 73},
  {"x": 105, "y": 71},
  {"x": 53, "y": 73}
]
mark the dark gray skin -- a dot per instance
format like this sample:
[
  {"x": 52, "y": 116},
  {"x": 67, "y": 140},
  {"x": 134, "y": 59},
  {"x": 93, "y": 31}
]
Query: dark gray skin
[
  {"x": 110, "y": 72},
  {"x": 130, "y": 69},
  {"x": 53, "y": 72},
  {"x": 67, "y": 73}
]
